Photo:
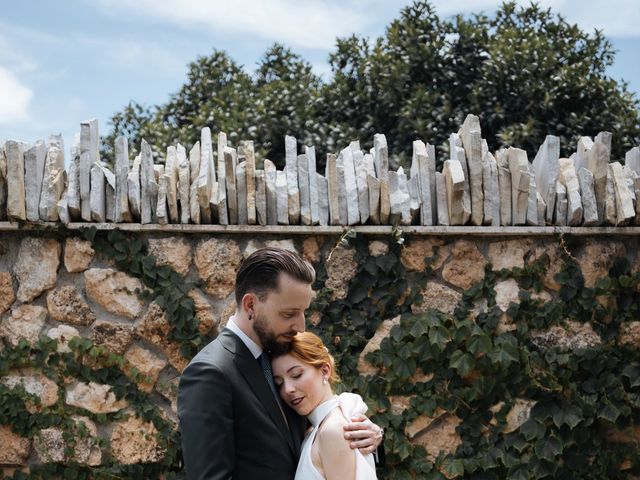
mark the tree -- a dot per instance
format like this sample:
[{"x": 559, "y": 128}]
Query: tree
[{"x": 524, "y": 71}]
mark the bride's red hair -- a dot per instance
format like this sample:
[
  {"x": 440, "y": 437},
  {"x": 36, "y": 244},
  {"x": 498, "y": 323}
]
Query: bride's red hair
[{"x": 308, "y": 348}]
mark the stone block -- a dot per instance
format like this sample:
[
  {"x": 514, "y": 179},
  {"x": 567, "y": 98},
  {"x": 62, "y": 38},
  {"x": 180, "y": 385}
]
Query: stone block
[
  {"x": 466, "y": 265},
  {"x": 115, "y": 291},
  {"x": 15, "y": 449},
  {"x": 382, "y": 332},
  {"x": 134, "y": 441},
  {"x": 217, "y": 262},
  {"x": 115, "y": 337},
  {"x": 7, "y": 294},
  {"x": 66, "y": 305},
  {"x": 94, "y": 397},
  {"x": 36, "y": 267},
  {"x": 146, "y": 363},
  {"x": 415, "y": 252},
  {"x": 293, "y": 191},
  {"x": 25, "y": 322},
  {"x": 34, "y": 383},
  {"x": 173, "y": 252},
  {"x": 471, "y": 136},
  {"x": 341, "y": 268},
  {"x": 154, "y": 327},
  {"x": 63, "y": 335},
  {"x": 438, "y": 296},
  {"x": 546, "y": 169}
]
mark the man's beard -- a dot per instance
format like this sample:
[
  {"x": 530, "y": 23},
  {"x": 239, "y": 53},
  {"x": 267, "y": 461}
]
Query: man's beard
[{"x": 267, "y": 338}]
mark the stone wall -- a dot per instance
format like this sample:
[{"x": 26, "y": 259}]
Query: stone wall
[{"x": 60, "y": 288}]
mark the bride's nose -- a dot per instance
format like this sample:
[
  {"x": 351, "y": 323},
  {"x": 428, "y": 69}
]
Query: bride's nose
[{"x": 288, "y": 387}]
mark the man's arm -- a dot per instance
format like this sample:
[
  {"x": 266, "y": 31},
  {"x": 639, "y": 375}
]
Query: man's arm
[{"x": 206, "y": 423}]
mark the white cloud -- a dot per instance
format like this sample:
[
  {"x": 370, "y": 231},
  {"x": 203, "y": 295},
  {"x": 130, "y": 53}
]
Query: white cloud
[
  {"x": 15, "y": 98},
  {"x": 308, "y": 24}
]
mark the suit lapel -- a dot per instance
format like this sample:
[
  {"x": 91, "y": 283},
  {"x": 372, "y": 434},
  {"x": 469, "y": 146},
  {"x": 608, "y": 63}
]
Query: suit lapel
[{"x": 252, "y": 373}]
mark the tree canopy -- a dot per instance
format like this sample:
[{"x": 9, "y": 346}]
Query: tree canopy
[{"x": 525, "y": 71}]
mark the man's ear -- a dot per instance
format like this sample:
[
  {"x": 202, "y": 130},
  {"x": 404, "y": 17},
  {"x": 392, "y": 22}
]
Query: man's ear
[{"x": 248, "y": 304}]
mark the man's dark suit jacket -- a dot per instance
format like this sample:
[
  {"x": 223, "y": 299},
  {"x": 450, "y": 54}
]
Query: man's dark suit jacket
[{"x": 230, "y": 422}]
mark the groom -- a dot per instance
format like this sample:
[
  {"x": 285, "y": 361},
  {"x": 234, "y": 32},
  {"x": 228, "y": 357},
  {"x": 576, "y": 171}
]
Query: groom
[{"x": 233, "y": 423}]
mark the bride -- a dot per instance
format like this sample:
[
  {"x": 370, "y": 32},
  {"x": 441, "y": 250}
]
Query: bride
[{"x": 304, "y": 375}]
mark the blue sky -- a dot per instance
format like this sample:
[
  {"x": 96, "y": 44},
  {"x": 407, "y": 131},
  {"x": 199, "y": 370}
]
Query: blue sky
[{"x": 65, "y": 62}]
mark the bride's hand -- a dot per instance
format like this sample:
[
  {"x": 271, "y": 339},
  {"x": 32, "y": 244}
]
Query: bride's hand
[{"x": 363, "y": 434}]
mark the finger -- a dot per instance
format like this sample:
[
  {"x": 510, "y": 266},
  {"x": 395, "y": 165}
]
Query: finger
[
  {"x": 359, "y": 418},
  {"x": 365, "y": 443},
  {"x": 367, "y": 450},
  {"x": 359, "y": 435},
  {"x": 363, "y": 426}
]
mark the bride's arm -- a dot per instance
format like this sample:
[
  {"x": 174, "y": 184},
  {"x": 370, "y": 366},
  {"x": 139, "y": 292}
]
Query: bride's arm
[{"x": 337, "y": 458}]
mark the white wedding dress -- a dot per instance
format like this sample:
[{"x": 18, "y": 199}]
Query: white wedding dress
[{"x": 349, "y": 404}]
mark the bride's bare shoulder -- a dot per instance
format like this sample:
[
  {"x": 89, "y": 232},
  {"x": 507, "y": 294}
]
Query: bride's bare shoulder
[{"x": 332, "y": 428}]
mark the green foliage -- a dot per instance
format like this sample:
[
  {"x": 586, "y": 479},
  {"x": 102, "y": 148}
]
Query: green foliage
[{"x": 525, "y": 72}]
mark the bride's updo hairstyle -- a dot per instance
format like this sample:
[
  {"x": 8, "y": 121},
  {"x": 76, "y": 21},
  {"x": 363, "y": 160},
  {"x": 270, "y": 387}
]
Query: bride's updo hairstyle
[{"x": 308, "y": 348}]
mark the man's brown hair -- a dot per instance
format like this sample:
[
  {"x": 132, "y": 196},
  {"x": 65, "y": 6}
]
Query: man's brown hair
[{"x": 260, "y": 272}]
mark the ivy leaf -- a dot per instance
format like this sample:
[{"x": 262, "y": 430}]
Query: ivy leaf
[
  {"x": 419, "y": 328},
  {"x": 532, "y": 429},
  {"x": 548, "y": 448},
  {"x": 439, "y": 336},
  {"x": 632, "y": 372},
  {"x": 570, "y": 415},
  {"x": 479, "y": 344},
  {"x": 505, "y": 354},
  {"x": 462, "y": 362},
  {"x": 452, "y": 467},
  {"x": 609, "y": 412}
]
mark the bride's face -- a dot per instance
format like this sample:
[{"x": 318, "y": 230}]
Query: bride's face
[{"x": 301, "y": 385}]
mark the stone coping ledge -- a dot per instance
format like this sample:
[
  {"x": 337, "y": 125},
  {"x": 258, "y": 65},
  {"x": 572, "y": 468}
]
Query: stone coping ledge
[{"x": 332, "y": 230}]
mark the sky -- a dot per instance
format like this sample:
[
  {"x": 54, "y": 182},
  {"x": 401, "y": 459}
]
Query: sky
[{"x": 65, "y": 62}]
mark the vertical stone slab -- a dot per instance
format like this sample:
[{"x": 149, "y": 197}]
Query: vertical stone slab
[
  {"x": 363, "y": 188},
  {"x": 532, "y": 208},
  {"x": 624, "y": 197},
  {"x": 597, "y": 162},
  {"x": 184, "y": 184},
  {"x": 561, "y": 204},
  {"x": 490, "y": 190},
  {"x": 604, "y": 138},
  {"x": 171, "y": 170},
  {"x": 230, "y": 164},
  {"x": 569, "y": 178},
  {"x": 381, "y": 162},
  {"x": 632, "y": 159},
  {"x": 303, "y": 185},
  {"x": 342, "y": 191},
  {"x": 585, "y": 144},
  {"x": 3, "y": 183},
  {"x": 148, "y": 184},
  {"x": 310, "y": 152},
  {"x": 63, "y": 209},
  {"x": 588, "y": 197},
  {"x": 414, "y": 200},
  {"x": 109, "y": 194},
  {"x": 223, "y": 213},
  {"x": 610, "y": 213},
  {"x": 53, "y": 183},
  {"x": 97, "y": 202},
  {"x": 420, "y": 169},
  {"x": 323, "y": 200},
  {"x": 282, "y": 203},
  {"x": 271, "y": 192},
  {"x": 16, "y": 207},
  {"x": 519, "y": 169},
  {"x": 261, "y": 197},
  {"x": 194, "y": 174},
  {"x": 542, "y": 208},
  {"x": 441, "y": 196},
  {"x": 89, "y": 155},
  {"x": 206, "y": 175},
  {"x": 241, "y": 189},
  {"x": 133, "y": 189},
  {"x": 431, "y": 169},
  {"x": 162, "y": 213},
  {"x": 122, "y": 213},
  {"x": 455, "y": 186},
  {"x": 399, "y": 198},
  {"x": 34, "y": 159},
  {"x": 545, "y": 167},
  {"x": 504, "y": 186},
  {"x": 351, "y": 186},
  {"x": 73, "y": 188},
  {"x": 333, "y": 189},
  {"x": 373, "y": 185},
  {"x": 457, "y": 153},
  {"x": 471, "y": 137},
  {"x": 293, "y": 192},
  {"x": 250, "y": 172}
]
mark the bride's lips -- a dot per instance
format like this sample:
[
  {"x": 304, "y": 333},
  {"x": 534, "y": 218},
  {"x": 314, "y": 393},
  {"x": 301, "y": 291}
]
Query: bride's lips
[{"x": 296, "y": 401}]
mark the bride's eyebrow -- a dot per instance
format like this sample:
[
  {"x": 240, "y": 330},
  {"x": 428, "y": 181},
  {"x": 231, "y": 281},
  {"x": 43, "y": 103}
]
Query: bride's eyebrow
[{"x": 295, "y": 366}]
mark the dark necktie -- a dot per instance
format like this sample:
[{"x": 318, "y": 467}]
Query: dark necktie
[{"x": 265, "y": 363}]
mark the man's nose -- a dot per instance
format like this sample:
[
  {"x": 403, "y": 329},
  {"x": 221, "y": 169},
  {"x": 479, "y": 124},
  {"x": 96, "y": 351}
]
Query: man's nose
[{"x": 299, "y": 324}]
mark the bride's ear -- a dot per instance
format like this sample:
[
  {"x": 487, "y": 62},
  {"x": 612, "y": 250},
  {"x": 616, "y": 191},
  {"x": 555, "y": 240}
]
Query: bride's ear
[{"x": 326, "y": 371}]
